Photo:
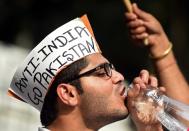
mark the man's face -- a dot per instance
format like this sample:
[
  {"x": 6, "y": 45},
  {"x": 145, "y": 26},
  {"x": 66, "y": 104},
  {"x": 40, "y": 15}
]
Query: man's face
[{"x": 102, "y": 100}]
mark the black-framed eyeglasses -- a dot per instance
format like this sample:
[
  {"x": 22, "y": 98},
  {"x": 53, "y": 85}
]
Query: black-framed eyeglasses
[{"x": 107, "y": 68}]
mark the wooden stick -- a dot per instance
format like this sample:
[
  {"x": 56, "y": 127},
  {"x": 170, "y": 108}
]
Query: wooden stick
[
  {"x": 129, "y": 8},
  {"x": 128, "y": 5}
]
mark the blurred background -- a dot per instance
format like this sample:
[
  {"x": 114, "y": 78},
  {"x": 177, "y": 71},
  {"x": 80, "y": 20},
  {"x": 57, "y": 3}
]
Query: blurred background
[{"x": 24, "y": 23}]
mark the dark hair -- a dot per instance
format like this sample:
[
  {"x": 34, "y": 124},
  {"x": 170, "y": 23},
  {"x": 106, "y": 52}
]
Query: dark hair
[{"x": 49, "y": 110}]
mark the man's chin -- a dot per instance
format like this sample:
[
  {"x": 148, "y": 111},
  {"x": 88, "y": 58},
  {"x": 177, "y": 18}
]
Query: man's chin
[{"x": 122, "y": 115}]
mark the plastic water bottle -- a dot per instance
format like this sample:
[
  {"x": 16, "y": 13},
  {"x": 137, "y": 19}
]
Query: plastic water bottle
[{"x": 174, "y": 115}]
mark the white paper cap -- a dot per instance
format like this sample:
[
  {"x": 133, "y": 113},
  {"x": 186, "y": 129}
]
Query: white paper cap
[{"x": 67, "y": 44}]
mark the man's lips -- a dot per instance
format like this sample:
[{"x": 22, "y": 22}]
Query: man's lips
[{"x": 123, "y": 92}]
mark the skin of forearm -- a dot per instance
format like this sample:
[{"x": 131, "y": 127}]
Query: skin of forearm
[{"x": 171, "y": 77}]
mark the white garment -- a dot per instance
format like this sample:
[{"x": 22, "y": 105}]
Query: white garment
[{"x": 42, "y": 129}]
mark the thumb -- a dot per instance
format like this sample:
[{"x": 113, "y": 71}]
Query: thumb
[
  {"x": 134, "y": 92},
  {"x": 140, "y": 13}
]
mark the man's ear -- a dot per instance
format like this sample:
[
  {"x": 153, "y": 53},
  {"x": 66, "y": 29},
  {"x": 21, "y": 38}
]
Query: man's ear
[{"x": 68, "y": 94}]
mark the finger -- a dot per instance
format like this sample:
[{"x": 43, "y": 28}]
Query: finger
[
  {"x": 139, "y": 81},
  {"x": 140, "y": 36},
  {"x": 138, "y": 30},
  {"x": 140, "y": 13},
  {"x": 162, "y": 89},
  {"x": 144, "y": 74},
  {"x": 135, "y": 23},
  {"x": 130, "y": 16},
  {"x": 137, "y": 42},
  {"x": 148, "y": 25},
  {"x": 153, "y": 81},
  {"x": 133, "y": 92}
]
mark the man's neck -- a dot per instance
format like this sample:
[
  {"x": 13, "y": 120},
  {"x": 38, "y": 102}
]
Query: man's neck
[{"x": 69, "y": 122}]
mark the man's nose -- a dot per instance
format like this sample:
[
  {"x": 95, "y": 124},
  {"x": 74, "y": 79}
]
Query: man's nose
[{"x": 116, "y": 76}]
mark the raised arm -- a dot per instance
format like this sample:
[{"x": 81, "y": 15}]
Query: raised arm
[{"x": 142, "y": 26}]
